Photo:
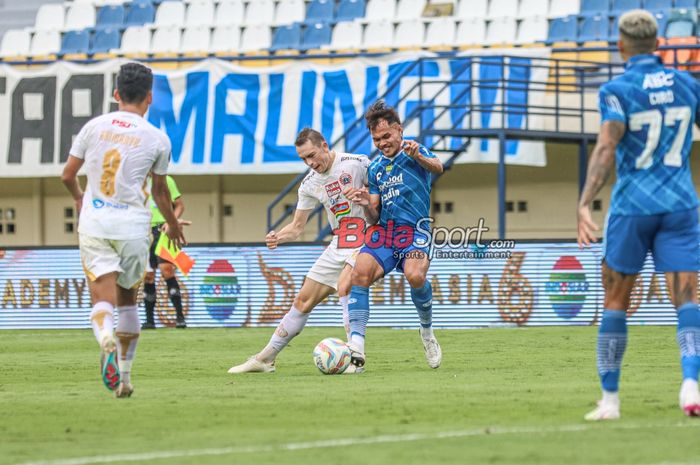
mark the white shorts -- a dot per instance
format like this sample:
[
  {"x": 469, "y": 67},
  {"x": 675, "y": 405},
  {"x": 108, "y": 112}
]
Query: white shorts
[
  {"x": 330, "y": 264},
  {"x": 126, "y": 257}
]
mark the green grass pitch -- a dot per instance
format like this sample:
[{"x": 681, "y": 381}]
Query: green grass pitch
[{"x": 502, "y": 396}]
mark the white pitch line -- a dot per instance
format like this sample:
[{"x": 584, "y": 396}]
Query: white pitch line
[{"x": 384, "y": 439}]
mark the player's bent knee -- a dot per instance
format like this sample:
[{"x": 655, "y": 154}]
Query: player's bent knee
[{"x": 416, "y": 279}]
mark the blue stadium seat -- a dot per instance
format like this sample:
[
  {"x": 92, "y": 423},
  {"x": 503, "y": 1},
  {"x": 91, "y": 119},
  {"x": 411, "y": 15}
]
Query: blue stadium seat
[
  {"x": 110, "y": 16},
  {"x": 595, "y": 7},
  {"x": 287, "y": 38},
  {"x": 594, "y": 28},
  {"x": 75, "y": 42},
  {"x": 686, "y": 4},
  {"x": 658, "y": 5},
  {"x": 350, "y": 9},
  {"x": 105, "y": 40},
  {"x": 141, "y": 2},
  {"x": 563, "y": 29},
  {"x": 140, "y": 14},
  {"x": 316, "y": 35},
  {"x": 621, "y": 6},
  {"x": 662, "y": 21},
  {"x": 614, "y": 35},
  {"x": 320, "y": 11},
  {"x": 680, "y": 27}
]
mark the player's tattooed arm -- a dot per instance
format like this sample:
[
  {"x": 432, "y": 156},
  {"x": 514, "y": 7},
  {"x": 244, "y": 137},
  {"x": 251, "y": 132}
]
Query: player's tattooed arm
[
  {"x": 600, "y": 167},
  {"x": 289, "y": 233}
]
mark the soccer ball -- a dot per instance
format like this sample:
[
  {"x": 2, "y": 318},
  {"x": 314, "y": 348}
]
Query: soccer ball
[{"x": 332, "y": 356}]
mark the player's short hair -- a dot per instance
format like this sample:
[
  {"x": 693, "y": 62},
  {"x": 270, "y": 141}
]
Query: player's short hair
[
  {"x": 309, "y": 134},
  {"x": 134, "y": 82},
  {"x": 378, "y": 111},
  {"x": 638, "y": 31}
]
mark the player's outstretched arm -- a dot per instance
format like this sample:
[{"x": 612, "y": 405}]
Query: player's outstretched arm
[
  {"x": 600, "y": 167},
  {"x": 161, "y": 196},
  {"x": 289, "y": 233},
  {"x": 432, "y": 164},
  {"x": 70, "y": 180}
]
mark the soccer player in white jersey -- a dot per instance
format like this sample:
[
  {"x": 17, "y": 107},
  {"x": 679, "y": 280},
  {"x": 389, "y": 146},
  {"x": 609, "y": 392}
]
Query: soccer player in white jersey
[
  {"x": 118, "y": 150},
  {"x": 332, "y": 173}
]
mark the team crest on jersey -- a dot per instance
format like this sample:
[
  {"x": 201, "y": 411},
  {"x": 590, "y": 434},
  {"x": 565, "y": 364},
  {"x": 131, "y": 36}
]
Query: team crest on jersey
[
  {"x": 333, "y": 189},
  {"x": 341, "y": 209},
  {"x": 345, "y": 179},
  {"x": 389, "y": 168}
]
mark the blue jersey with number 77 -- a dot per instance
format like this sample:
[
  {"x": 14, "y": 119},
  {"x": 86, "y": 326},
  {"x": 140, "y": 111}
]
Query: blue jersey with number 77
[{"x": 659, "y": 107}]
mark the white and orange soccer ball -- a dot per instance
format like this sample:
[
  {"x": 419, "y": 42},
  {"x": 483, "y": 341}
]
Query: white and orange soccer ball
[{"x": 332, "y": 356}]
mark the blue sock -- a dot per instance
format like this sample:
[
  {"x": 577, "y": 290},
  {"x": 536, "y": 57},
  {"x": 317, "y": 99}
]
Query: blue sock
[
  {"x": 358, "y": 310},
  {"x": 612, "y": 340},
  {"x": 423, "y": 300},
  {"x": 689, "y": 340}
]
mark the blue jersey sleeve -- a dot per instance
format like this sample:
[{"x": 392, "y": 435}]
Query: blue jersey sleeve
[
  {"x": 610, "y": 107},
  {"x": 372, "y": 179},
  {"x": 425, "y": 152}
]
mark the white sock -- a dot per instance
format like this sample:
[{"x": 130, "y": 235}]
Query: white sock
[
  {"x": 358, "y": 342},
  {"x": 102, "y": 319},
  {"x": 346, "y": 315},
  {"x": 290, "y": 326},
  {"x": 426, "y": 333},
  {"x": 128, "y": 331},
  {"x": 611, "y": 397}
]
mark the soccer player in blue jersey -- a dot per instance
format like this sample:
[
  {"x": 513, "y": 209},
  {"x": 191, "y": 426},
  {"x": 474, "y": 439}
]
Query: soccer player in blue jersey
[
  {"x": 398, "y": 196},
  {"x": 646, "y": 130}
]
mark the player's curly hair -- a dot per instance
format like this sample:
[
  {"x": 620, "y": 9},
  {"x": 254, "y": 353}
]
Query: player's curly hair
[
  {"x": 134, "y": 82},
  {"x": 311, "y": 134},
  {"x": 378, "y": 111}
]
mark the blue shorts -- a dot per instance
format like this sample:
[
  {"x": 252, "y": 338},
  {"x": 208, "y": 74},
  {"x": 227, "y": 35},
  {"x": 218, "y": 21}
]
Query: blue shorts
[
  {"x": 672, "y": 238},
  {"x": 390, "y": 256}
]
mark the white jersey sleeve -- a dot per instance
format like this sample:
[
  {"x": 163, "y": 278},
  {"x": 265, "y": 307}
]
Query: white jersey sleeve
[
  {"x": 160, "y": 167},
  {"x": 306, "y": 199},
  {"x": 81, "y": 141}
]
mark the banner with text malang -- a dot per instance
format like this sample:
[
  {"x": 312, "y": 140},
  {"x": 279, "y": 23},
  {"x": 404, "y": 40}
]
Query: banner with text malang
[{"x": 224, "y": 118}]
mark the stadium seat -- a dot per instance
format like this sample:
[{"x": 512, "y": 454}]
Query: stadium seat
[
  {"x": 661, "y": 21},
  {"x": 349, "y": 10},
  {"x": 595, "y": 7},
  {"x": 45, "y": 43},
  {"x": 681, "y": 57},
  {"x": 682, "y": 23},
  {"x": 471, "y": 32},
  {"x": 440, "y": 33},
  {"x": 686, "y": 4},
  {"x": 316, "y": 35},
  {"x": 563, "y": 29},
  {"x": 532, "y": 30},
  {"x": 200, "y": 13},
  {"x": 380, "y": 9},
  {"x": 105, "y": 40},
  {"x": 409, "y": 9},
  {"x": 287, "y": 37},
  {"x": 532, "y": 8},
  {"x": 80, "y": 16},
  {"x": 140, "y": 14},
  {"x": 260, "y": 12},
  {"x": 594, "y": 28},
  {"x": 290, "y": 11},
  {"x": 110, "y": 16},
  {"x": 166, "y": 39},
  {"x": 468, "y": 9},
  {"x": 170, "y": 14},
  {"x": 621, "y": 6},
  {"x": 141, "y": 2},
  {"x": 50, "y": 17},
  {"x": 320, "y": 11},
  {"x": 378, "y": 35},
  {"x": 409, "y": 34},
  {"x": 230, "y": 12},
  {"x": 136, "y": 41},
  {"x": 346, "y": 36},
  {"x": 501, "y": 31},
  {"x": 256, "y": 37},
  {"x": 502, "y": 8},
  {"x": 196, "y": 40},
  {"x": 75, "y": 42},
  {"x": 225, "y": 40},
  {"x": 15, "y": 43},
  {"x": 658, "y": 5},
  {"x": 558, "y": 9}
]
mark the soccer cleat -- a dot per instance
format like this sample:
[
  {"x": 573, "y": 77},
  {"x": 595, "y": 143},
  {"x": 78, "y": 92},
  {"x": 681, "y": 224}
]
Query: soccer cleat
[
  {"x": 108, "y": 362},
  {"x": 604, "y": 411},
  {"x": 148, "y": 325},
  {"x": 690, "y": 398},
  {"x": 124, "y": 390},
  {"x": 253, "y": 365},
  {"x": 433, "y": 352},
  {"x": 181, "y": 324},
  {"x": 353, "y": 370},
  {"x": 357, "y": 358}
]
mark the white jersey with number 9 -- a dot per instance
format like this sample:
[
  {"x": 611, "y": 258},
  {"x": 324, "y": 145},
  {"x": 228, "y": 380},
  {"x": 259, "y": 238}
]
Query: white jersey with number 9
[{"x": 119, "y": 150}]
